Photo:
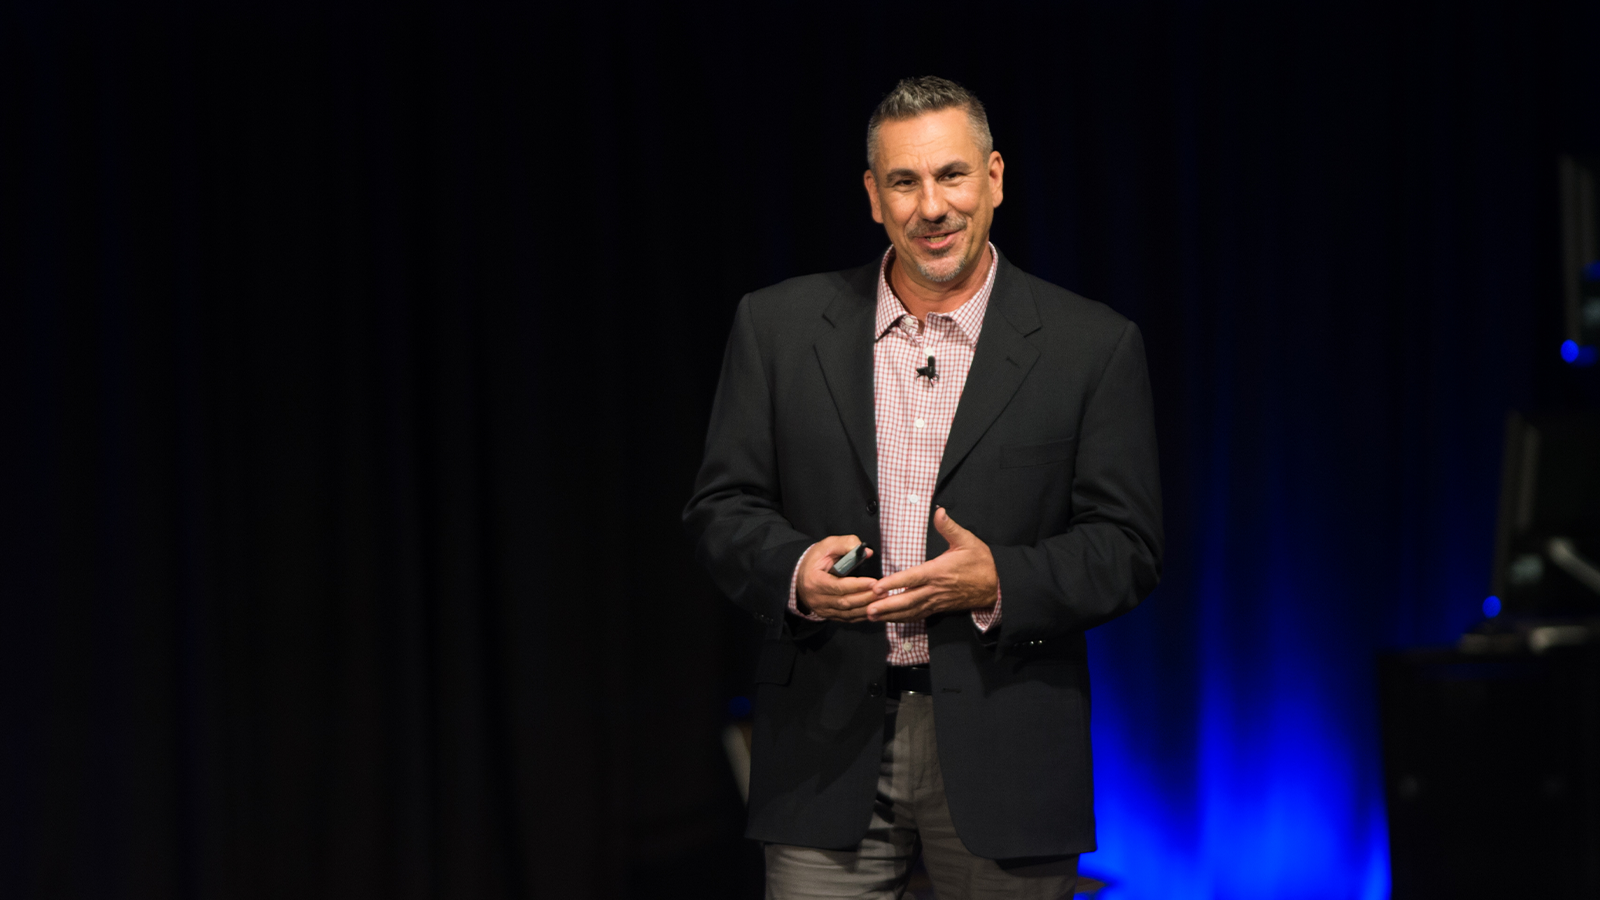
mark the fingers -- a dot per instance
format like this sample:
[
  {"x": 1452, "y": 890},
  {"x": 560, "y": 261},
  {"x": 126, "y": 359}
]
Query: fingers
[
  {"x": 848, "y": 585},
  {"x": 844, "y": 615},
  {"x": 953, "y": 532},
  {"x": 824, "y": 553},
  {"x": 820, "y": 591},
  {"x": 840, "y": 592},
  {"x": 825, "y": 596},
  {"x": 902, "y": 607},
  {"x": 845, "y": 607},
  {"x": 836, "y": 545},
  {"x": 905, "y": 578}
]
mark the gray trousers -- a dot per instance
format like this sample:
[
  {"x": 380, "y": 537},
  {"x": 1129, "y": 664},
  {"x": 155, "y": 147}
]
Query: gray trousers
[{"x": 910, "y": 816}]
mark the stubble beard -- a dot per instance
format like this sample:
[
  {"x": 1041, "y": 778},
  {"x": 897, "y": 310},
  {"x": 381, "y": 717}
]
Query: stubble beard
[
  {"x": 951, "y": 263},
  {"x": 938, "y": 276}
]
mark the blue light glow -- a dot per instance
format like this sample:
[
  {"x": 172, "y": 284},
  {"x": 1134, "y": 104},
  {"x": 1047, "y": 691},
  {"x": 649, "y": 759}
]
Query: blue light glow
[
  {"x": 1592, "y": 271},
  {"x": 1283, "y": 797},
  {"x": 1578, "y": 354},
  {"x": 739, "y": 707},
  {"x": 1491, "y": 606}
]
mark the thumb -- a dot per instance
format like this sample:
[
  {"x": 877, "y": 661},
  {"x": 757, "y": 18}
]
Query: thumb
[{"x": 947, "y": 526}]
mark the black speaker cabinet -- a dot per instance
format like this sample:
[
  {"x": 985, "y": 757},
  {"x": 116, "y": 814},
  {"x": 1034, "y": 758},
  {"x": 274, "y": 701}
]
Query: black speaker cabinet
[{"x": 1492, "y": 771}]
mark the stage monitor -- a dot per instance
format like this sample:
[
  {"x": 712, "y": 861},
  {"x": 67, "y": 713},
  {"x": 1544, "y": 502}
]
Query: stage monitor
[
  {"x": 1547, "y": 549},
  {"x": 1580, "y": 258}
]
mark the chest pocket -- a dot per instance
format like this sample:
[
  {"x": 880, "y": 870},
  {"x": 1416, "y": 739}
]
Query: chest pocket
[{"x": 1017, "y": 456}]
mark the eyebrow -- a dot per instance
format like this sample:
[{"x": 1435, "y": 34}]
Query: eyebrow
[{"x": 945, "y": 169}]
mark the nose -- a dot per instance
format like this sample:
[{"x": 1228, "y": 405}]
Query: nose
[{"x": 932, "y": 205}]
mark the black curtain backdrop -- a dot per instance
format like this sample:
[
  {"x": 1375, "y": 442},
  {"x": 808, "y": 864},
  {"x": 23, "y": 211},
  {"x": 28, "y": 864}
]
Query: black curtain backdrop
[{"x": 356, "y": 364}]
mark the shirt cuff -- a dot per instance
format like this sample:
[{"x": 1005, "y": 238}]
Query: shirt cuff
[
  {"x": 985, "y": 619},
  {"x": 794, "y": 595}
]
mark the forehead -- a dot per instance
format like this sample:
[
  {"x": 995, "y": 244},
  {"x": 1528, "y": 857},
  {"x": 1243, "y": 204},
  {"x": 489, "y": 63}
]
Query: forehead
[{"x": 927, "y": 141}]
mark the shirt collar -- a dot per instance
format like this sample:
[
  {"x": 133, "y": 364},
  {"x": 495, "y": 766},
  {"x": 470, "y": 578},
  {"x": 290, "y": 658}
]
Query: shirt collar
[{"x": 968, "y": 317}]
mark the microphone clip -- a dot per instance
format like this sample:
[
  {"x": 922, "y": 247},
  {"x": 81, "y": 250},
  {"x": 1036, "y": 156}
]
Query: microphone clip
[{"x": 928, "y": 371}]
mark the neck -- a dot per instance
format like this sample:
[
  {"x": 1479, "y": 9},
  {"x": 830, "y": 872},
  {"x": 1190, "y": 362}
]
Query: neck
[{"x": 921, "y": 297}]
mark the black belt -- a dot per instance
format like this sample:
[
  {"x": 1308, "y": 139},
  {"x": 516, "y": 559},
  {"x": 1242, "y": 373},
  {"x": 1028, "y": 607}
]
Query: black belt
[{"x": 910, "y": 678}]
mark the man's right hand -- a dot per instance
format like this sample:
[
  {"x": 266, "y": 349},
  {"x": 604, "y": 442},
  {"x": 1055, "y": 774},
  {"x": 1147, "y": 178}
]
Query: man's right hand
[{"x": 820, "y": 592}]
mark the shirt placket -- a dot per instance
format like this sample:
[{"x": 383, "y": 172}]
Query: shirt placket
[
  {"x": 925, "y": 407},
  {"x": 923, "y": 396},
  {"x": 913, "y": 334}
]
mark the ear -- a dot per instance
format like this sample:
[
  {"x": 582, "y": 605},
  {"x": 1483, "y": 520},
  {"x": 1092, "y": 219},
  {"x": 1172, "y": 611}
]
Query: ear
[
  {"x": 872, "y": 196},
  {"x": 997, "y": 177}
]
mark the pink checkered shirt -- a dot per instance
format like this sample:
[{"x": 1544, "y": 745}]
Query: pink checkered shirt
[{"x": 914, "y": 415}]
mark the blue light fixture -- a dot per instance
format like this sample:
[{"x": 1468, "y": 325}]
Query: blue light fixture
[
  {"x": 1491, "y": 606},
  {"x": 1577, "y": 354}
]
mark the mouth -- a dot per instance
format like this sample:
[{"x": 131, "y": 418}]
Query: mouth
[{"x": 937, "y": 241}]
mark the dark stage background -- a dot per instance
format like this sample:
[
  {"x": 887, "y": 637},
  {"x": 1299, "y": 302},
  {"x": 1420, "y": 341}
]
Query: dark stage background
[{"x": 356, "y": 365}]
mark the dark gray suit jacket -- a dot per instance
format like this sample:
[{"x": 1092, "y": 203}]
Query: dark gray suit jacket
[{"x": 1051, "y": 460}]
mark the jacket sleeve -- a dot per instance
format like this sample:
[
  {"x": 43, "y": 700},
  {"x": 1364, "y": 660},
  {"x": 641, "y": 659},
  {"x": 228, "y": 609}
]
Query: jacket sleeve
[
  {"x": 734, "y": 517},
  {"x": 1109, "y": 557}
]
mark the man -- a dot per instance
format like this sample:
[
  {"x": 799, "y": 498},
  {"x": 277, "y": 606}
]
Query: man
[{"x": 989, "y": 437}]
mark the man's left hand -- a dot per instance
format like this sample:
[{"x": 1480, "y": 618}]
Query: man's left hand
[{"x": 962, "y": 577}]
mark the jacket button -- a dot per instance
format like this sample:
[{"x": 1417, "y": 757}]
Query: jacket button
[
  {"x": 874, "y": 690},
  {"x": 872, "y": 506}
]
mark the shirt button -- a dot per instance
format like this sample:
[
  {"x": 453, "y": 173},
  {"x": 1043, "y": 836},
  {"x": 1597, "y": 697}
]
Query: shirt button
[
  {"x": 911, "y": 498},
  {"x": 919, "y": 423}
]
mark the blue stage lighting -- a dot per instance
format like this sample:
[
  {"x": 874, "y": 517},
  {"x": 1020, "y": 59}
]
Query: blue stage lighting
[
  {"x": 1491, "y": 606},
  {"x": 1569, "y": 351},
  {"x": 739, "y": 707}
]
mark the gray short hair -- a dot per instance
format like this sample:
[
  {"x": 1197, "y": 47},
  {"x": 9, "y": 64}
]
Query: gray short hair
[{"x": 924, "y": 94}]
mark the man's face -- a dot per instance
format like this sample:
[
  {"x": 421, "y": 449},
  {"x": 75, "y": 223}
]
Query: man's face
[{"x": 935, "y": 193}]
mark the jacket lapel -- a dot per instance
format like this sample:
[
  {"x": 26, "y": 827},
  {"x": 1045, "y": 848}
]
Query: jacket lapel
[
  {"x": 845, "y": 353},
  {"x": 999, "y": 365}
]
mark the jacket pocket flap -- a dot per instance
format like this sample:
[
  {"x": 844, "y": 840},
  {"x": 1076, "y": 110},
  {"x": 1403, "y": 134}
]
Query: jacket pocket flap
[
  {"x": 776, "y": 662},
  {"x": 1018, "y": 455}
]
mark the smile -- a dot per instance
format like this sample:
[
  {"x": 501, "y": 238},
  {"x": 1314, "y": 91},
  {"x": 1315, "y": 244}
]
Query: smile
[{"x": 942, "y": 241}]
